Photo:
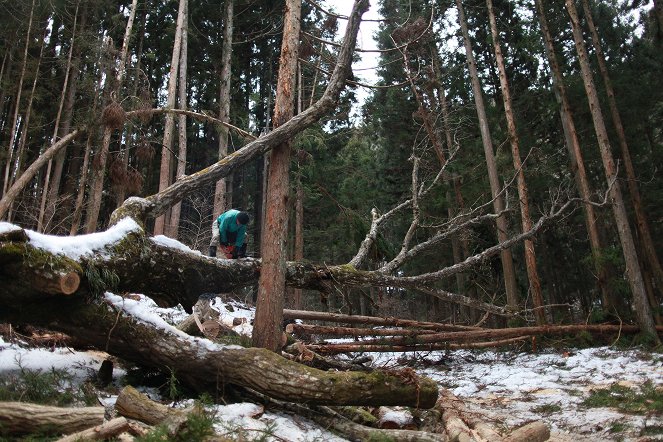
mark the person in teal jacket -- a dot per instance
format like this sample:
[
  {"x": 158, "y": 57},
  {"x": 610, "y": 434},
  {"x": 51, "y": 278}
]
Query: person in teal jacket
[{"x": 229, "y": 231}]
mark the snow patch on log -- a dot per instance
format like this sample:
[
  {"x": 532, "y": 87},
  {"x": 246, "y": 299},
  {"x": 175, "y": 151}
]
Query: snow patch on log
[
  {"x": 75, "y": 247},
  {"x": 139, "y": 311},
  {"x": 8, "y": 227},
  {"x": 173, "y": 244}
]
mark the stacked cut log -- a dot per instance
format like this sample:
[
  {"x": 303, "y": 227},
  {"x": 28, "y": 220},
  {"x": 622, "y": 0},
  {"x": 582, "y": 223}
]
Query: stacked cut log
[{"x": 403, "y": 335}]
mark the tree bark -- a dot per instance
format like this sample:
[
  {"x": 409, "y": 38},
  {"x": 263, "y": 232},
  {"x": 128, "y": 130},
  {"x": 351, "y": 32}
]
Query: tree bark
[
  {"x": 271, "y": 286},
  {"x": 495, "y": 187},
  {"x": 523, "y": 194},
  {"x": 167, "y": 143},
  {"x": 633, "y": 273},
  {"x": 18, "y": 418}
]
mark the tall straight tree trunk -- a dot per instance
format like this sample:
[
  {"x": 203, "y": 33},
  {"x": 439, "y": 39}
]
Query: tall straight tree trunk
[
  {"x": 97, "y": 185},
  {"x": 271, "y": 285},
  {"x": 20, "y": 151},
  {"x": 577, "y": 161},
  {"x": 495, "y": 188},
  {"x": 523, "y": 197},
  {"x": 641, "y": 222},
  {"x": 220, "y": 192},
  {"x": 17, "y": 104},
  {"x": 50, "y": 190},
  {"x": 167, "y": 143},
  {"x": 173, "y": 228},
  {"x": 131, "y": 132},
  {"x": 633, "y": 274}
]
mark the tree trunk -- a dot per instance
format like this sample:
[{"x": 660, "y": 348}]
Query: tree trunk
[
  {"x": 51, "y": 189},
  {"x": 97, "y": 185},
  {"x": 495, "y": 187},
  {"x": 220, "y": 192},
  {"x": 173, "y": 227},
  {"x": 633, "y": 274},
  {"x": 577, "y": 162},
  {"x": 19, "y": 418},
  {"x": 167, "y": 143},
  {"x": 17, "y": 106},
  {"x": 523, "y": 197},
  {"x": 271, "y": 287},
  {"x": 641, "y": 222}
]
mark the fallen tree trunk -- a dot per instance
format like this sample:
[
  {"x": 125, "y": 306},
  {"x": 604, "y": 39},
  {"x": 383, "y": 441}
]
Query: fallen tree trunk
[
  {"x": 359, "y": 347},
  {"x": 19, "y": 418},
  {"x": 356, "y": 319},
  {"x": 307, "y": 330},
  {"x": 473, "y": 336},
  {"x": 205, "y": 366}
]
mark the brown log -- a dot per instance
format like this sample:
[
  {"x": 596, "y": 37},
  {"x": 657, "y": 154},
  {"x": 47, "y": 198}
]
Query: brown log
[
  {"x": 386, "y": 347},
  {"x": 303, "y": 330},
  {"x": 135, "y": 405},
  {"x": 352, "y": 319},
  {"x": 479, "y": 335},
  {"x": 532, "y": 432},
  {"x": 456, "y": 429},
  {"x": 19, "y": 418},
  {"x": 449, "y": 401},
  {"x": 104, "y": 431}
]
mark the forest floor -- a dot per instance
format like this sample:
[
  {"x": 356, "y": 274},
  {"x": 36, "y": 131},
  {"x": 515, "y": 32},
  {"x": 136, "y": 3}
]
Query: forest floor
[{"x": 592, "y": 394}]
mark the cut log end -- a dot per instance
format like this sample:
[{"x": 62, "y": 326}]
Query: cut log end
[{"x": 58, "y": 284}]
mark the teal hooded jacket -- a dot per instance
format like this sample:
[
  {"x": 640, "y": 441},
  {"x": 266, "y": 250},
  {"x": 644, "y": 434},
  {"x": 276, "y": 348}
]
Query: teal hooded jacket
[{"x": 228, "y": 224}]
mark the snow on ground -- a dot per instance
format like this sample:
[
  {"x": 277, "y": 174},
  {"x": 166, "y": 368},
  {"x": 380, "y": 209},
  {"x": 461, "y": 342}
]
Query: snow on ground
[{"x": 506, "y": 388}]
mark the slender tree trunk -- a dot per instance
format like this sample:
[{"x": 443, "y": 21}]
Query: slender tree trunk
[
  {"x": 498, "y": 200},
  {"x": 220, "y": 192},
  {"x": 167, "y": 143},
  {"x": 173, "y": 228},
  {"x": 271, "y": 286},
  {"x": 523, "y": 197},
  {"x": 19, "y": 90},
  {"x": 641, "y": 222},
  {"x": 633, "y": 274},
  {"x": 97, "y": 185},
  {"x": 52, "y": 191},
  {"x": 131, "y": 132},
  {"x": 577, "y": 161}
]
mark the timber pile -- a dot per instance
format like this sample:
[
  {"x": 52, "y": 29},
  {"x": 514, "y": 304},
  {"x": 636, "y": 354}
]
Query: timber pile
[
  {"x": 408, "y": 335},
  {"x": 138, "y": 415}
]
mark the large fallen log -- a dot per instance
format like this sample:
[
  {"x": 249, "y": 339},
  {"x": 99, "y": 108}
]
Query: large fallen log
[
  {"x": 20, "y": 418},
  {"x": 207, "y": 367},
  {"x": 307, "y": 330}
]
